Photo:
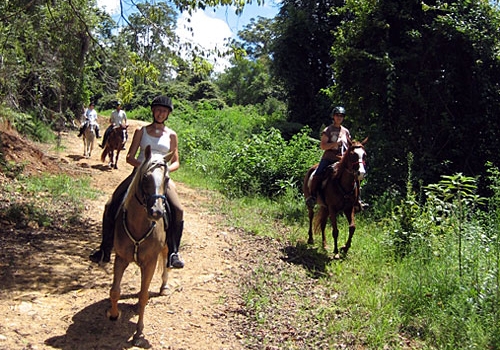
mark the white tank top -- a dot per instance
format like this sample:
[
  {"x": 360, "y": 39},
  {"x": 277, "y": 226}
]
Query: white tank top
[{"x": 160, "y": 146}]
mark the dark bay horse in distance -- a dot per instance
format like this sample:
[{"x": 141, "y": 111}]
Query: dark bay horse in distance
[
  {"x": 88, "y": 139},
  {"x": 339, "y": 193},
  {"x": 115, "y": 143},
  {"x": 140, "y": 235}
]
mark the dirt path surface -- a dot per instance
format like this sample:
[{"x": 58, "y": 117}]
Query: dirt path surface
[{"x": 53, "y": 297}]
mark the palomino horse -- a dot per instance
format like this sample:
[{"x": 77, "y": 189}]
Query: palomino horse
[
  {"x": 339, "y": 193},
  {"x": 115, "y": 142},
  {"x": 88, "y": 139},
  {"x": 140, "y": 234}
]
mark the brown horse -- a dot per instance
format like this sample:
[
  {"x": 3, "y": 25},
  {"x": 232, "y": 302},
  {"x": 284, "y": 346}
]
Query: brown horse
[
  {"x": 339, "y": 193},
  {"x": 140, "y": 235},
  {"x": 115, "y": 142},
  {"x": 88, "y": 139}
]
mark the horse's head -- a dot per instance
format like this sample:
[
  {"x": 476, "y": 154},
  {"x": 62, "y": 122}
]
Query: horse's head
[
  {"x": 356, "y": 159},
  {"x": 152, "y": 182}
]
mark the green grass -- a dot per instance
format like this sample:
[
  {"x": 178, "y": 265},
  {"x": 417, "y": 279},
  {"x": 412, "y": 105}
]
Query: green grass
[
  {"x": 375, "y": 299},
  {"x": 46, "y": 200}
]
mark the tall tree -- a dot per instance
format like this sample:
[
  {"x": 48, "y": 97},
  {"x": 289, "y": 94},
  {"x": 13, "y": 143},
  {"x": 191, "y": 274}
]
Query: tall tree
[
  {"x": 421, "y": 78},
  {"x": 301, "y": 57}
]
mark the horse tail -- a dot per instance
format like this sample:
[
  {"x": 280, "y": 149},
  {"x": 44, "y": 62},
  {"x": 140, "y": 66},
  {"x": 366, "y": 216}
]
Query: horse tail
[
  {"x": 104, "y": 153},
  {"x": 319, "y": 221}
]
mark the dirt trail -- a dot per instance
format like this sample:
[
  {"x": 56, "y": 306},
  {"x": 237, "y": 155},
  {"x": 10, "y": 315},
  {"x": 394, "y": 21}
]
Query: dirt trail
[{"x": 54, "y": 297}]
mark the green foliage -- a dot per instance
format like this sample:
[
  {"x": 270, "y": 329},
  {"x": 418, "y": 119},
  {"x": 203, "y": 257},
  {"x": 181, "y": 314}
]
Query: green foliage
[
  {"x": 302, "y": 62},
  {"x": 417, "y": 78},
  {"x": 266, "y": 164},
  {"x": 33, "y": 199},
  {"x": 447, "y": 273}
]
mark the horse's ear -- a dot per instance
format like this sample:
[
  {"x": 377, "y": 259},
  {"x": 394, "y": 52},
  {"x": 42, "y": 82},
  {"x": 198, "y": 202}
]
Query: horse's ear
[
  {"x": 364, "y": 141},
  {"x": 147, "y": 152},
  {"x": 168, "y": 156}
]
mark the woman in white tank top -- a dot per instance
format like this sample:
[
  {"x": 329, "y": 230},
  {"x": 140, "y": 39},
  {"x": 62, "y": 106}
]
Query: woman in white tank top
[{"x": 162, "y": 141}]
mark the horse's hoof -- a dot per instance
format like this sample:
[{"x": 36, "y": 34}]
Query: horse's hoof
[
  {"x": 164, "y": 291},
  {"x": 310, "y": 241},
  {"x": 113, "y": 318},
  {"x": 336, "y": 256},
  {"x": 140, "y": 341},
  {"x": 344, "y": 250}
]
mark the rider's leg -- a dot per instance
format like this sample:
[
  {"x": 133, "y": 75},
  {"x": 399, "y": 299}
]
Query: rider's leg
[
  {"x": 174, "y": 233},
  {"x": 108, "y": 222},
  {"x": 360, "y": 205},
  {"x": 97, "y": 130},
  {"x": 82, "y": 128},
  {"x": 316, "y": 180}
]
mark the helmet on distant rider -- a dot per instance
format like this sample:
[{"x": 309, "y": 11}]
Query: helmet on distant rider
[
  {"x": 163, "y": 101},
  {"x": 338, "y": 110}
]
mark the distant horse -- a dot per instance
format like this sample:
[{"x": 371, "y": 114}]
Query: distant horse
[
  {"x": 339, "y": 193},
  {"x": 88, "y": 139},
  {"x": 115, "y": 142},
  {"x": 140, "y": 234}
]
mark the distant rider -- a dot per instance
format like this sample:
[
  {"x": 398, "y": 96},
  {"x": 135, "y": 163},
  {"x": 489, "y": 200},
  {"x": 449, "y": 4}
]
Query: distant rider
[
  {"x": 118, "y": 118},
  {"x": 90, "y": 118}
]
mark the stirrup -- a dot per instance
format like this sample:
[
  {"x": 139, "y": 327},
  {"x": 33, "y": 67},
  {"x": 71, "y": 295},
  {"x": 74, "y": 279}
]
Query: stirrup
[
  {"x": 175, "y": 261},
  {"x": 100, "y": 257}
]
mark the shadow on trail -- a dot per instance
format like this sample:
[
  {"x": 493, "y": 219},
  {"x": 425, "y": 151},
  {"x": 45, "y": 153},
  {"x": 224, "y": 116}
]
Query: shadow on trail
[
  {"x": 91, "y": 329},
  {"x": 313, "y": 260}
]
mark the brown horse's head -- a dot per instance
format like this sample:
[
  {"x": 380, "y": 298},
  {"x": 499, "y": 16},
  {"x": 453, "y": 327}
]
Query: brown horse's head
[
  {"x": 150, "y": 183},
  {"x": 354, "y": 160}
]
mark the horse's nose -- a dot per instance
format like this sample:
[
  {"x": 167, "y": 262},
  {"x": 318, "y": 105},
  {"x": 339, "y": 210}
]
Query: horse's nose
[
  {"x": 156, "y": 211},
  {"x": 361, "y": 171}
]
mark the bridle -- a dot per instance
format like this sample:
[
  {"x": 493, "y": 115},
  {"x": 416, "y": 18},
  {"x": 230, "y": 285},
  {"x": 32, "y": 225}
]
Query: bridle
[
  {"x": 143, "y": 201},
  {"x": 144, "y": 204},
  {"x": 350, "y": 169}
]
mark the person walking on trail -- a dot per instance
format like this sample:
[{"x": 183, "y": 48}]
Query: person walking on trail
[
  {"x": 162, "y": 140},
  {"x": 118, "y": 118},
  {"x": 90, "y": 118},
  {"x": 335, "y": 140}
]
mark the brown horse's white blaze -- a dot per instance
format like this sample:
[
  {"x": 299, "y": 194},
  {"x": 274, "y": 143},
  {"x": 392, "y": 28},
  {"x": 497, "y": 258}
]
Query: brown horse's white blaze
[
  {"x": 338, "y": 193},
  {"x": 361, "y": 171},
  {"x": 140, "y": 235}
]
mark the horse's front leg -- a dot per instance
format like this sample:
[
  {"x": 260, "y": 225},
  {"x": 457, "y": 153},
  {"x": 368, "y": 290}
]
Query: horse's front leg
[
  {"x": 147, "y": 272},
  {"x": 116, "y": 159},
  {"x": 164, "y": 275},
  {"x": 335, "y": 233},
  {"x": 352, "y": 227},
  {"x": 310, "y": 212},
  {"x": 114, "y": 294}
]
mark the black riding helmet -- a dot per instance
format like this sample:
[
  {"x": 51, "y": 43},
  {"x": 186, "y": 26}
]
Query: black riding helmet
[
  {"x": 163, "y": 101},
  {"x": 338, "y": 110}
]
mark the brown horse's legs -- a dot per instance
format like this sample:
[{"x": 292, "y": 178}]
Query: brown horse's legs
[
  {"x": 311, "y": 216},
  {"x": 335, "y": 234},
  {"x": 116, "y": 159},
  {"x": 114, "y": 293},
  {"x": 164, "y": 275},
  {"x": 323, "y": 221},
  {"x": 147, "y": 272},
  {"x": 352, "y": 227}
]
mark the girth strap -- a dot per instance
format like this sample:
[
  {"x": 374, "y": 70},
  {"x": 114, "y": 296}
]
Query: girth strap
[{"x": 137, "y": 243}]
